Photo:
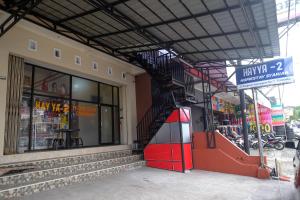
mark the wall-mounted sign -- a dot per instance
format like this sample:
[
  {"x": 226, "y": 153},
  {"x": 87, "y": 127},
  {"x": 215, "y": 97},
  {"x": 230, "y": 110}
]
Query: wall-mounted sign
[
  {"x": 52, "y": 106},
  {"x": 264, "y": 74}
]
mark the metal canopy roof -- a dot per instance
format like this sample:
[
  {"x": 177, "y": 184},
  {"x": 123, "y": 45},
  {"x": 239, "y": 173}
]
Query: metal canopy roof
[{"x": 197, "y": 30}]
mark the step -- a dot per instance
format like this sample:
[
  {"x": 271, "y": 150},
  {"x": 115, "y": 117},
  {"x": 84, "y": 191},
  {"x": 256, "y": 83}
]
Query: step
[
  {"x": 37, "y": 175},
  {"x": 63, "y": 161},
  {"x": 67, "y": 180}
]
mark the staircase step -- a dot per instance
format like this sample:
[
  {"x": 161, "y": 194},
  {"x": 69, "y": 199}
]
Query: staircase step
[
  {"x": 63, "y": 161},
  {"x": 58, "y": 182},
  {"x": 37, "y": 175}
]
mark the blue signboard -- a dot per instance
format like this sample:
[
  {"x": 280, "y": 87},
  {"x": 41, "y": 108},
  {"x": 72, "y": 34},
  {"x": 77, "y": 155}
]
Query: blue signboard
[{"x": 264, "y": 74}]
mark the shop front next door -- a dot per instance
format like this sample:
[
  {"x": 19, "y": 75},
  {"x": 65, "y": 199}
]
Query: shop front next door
[{"x": 106, "y": 125}]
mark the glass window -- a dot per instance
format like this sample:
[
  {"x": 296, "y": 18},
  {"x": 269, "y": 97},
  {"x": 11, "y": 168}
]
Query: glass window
[
  {"x": 47, "y": 82},
  {"x": 83, "y": 89},
  {"x": 24, "y": 124},
  {"x": 116, "y": 96},
  {"x": 49, "y": 114},
  {"x": 27, "y": 78},
  {"x": 85, "y": 117},
  {"x": 105, "y": 94},
  {"x": 106, "y": 124}
]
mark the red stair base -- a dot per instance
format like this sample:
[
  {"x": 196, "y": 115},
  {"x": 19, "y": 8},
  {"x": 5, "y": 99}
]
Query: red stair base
[{"x": 225, "y": 158}]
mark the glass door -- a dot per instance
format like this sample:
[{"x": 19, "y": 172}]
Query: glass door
[{"x": 106, "y": 125}]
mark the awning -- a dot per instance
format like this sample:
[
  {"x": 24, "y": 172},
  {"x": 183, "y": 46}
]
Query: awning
[{"x": 197, "y": 30}]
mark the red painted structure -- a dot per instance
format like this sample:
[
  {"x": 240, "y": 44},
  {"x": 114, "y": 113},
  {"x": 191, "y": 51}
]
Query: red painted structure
[
  {"x": 226, "y": 157},
  {"x": 170, "y": 148}
]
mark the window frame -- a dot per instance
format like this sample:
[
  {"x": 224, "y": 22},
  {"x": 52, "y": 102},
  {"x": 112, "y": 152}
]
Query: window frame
[{"x": 70, "y": 98}]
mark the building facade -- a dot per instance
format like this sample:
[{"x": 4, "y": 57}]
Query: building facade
[{"x": 63, "y": 85}]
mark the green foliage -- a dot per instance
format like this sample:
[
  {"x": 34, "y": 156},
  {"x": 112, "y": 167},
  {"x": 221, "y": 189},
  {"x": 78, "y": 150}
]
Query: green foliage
[{"x": 296, "y": 114}]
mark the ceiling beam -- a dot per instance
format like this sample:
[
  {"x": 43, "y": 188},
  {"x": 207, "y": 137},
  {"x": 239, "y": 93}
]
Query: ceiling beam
[
  {"x": 16, "y": 14},
  {"x": 189, "y": 39}
]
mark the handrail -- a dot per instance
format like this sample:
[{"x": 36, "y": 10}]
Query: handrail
[{"x": 164, "y": 69}]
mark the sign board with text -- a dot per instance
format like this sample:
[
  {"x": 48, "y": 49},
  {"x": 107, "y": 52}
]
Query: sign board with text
[{"x": 279, "y": 71}]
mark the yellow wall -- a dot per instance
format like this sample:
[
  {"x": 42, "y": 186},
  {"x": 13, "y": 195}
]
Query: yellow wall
[{"x": 16, "y": 42}]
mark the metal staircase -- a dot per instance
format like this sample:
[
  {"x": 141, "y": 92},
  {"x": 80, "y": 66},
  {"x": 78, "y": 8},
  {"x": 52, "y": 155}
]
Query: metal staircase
[
  {"x": 173, "y": 87},
  {"x": 208, "y": 110}
]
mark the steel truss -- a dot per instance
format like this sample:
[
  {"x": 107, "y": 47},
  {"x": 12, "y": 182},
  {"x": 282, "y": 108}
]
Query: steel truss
[{"x": 18, "y": 12}]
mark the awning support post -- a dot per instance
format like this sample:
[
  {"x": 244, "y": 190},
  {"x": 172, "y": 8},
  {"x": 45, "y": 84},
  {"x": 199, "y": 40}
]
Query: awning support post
[{"x": 260, "y": 147}]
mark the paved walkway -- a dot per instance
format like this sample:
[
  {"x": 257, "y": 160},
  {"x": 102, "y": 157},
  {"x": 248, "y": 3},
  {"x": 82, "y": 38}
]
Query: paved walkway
[
  {"x": 148, "y": 183},
  {"x": 284, "y": 158}
]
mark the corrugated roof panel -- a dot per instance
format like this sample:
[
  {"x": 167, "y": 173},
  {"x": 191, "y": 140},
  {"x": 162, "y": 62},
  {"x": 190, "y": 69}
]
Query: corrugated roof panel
[
  {"x": 156, "y": 6},
  {"x": 158, "y": 34},
  {"x": 223, "y": 42},
  {"x": 56, "y": 5},
  {"x": 108, "y": 21},
  {"x": 118, "y": 41},
  {"x": 209, "y": 24},
  {"x": 46, "y": 8},
  {"x": 169, "y": 32},
  {"x": 123, "y": 8},
  {"x": 143, "y": 11},
  {"x": 200, "y": 56},
  {"x": 128, "y": 40},
  {"x": 258, "y": 13},
  {"x": 270, "y": 9},
  {"x": 268, "y": 51},
  {"x": 225, "y": 21},
  {"x": 137, "y": 37},
  {"x": 81, "y": 30},
  {"x": 214, "y": 5},
  {"x": 109, "y": 43},
  {"x": 198, "y": 45},
  {"x": 187, "y": 46},
  {"x": 248, "y": 38},
  {"x": 97, "y": 29},
  {"x": 221, "y": 54},
  {"x": 194, "y": 26},
  {"x": 232, "y": 54},
  {"x": 264, "y": 35},
  {"x": 82, "y": 26},
  {"x": 195, "y": 6},
  {"x": 49, "y": 15},
  {"x": 232, "y": 2},
  {"x": 180, "y": 29},
  {"x": 210, "y": 43},
  {"x": 179, "y": 48},
  {"x": 264, "y": 14},
  {"x": 254, "y": 52},
  {"x": 236, "y": 40},
  {"x": 244, "y": 53},
  {"x": 210, "y": 56},
  {"x": 176, "y": 7},
  {"x": 239, "y": 19},
  {"x": 77, "y": 6}
]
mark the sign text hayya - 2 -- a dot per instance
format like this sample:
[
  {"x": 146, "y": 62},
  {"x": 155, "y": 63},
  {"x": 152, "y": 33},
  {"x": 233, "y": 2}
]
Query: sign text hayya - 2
[{"x": 273, "y": 72}]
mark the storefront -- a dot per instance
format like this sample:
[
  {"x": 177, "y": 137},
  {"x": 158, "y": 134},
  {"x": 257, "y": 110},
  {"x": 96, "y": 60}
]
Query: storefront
[
  {"x": 54, "y": 100},
  {"x": 223, "y": 111},
  {"x": 44, "y": 93}
]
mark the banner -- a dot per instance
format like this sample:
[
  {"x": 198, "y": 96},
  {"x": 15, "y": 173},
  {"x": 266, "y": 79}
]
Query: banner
[
  {"x": 277, "y": 115},
  {"x": 264, "y": 74}
]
